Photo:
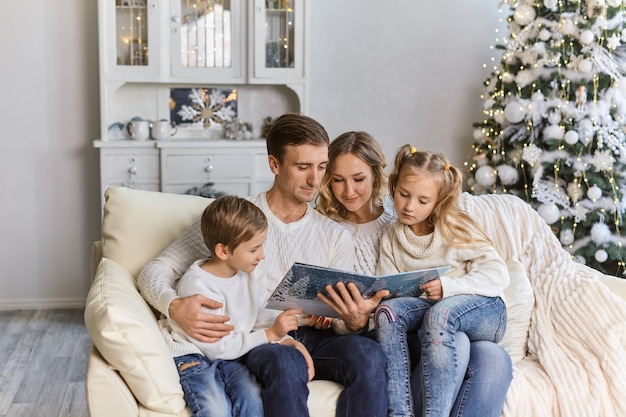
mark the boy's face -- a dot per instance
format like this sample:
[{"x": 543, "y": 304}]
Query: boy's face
[
  {"x": 299, "y": 176},
  {"x": 248, "y": 254}
]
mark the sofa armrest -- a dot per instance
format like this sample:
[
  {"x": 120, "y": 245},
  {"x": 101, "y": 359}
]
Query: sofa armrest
[
  {"x": 125, "y": 332},
  {"x": 617, "y": 285},
  {"x": 96, "y": 256}
]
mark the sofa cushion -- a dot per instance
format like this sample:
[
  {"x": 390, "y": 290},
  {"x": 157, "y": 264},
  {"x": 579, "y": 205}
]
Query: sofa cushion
[
  {"x": 520, "y": 302},
  {"x": 125, "y": 332},
  {"x": 138, "y": 225}
]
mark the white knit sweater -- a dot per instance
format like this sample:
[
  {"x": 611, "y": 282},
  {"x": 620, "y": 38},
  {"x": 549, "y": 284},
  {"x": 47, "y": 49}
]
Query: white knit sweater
[{"x": 314, "y": 239}]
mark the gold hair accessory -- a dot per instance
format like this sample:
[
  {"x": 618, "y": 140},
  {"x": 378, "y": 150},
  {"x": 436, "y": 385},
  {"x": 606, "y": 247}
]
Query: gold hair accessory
[
  {"x": 446, "y": 167},
  {"x": 413, "y": 150}
]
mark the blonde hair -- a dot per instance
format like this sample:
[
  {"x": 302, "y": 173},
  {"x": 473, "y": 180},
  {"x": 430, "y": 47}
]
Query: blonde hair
[
  {"x": 456, "y": 226},
  {"x": 363, "y": 146},
  {"x": 231, "y": 220}
]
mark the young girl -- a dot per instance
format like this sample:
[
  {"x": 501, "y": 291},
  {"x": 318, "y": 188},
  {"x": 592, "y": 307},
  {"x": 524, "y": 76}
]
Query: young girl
[{"x": 431, "y": 231}]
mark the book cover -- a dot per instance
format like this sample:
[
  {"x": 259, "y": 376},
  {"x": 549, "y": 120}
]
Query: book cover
[{"x": 300, "y": 286}]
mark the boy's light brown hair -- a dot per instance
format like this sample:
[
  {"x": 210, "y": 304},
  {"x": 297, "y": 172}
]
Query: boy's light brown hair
[{"x": 231, "y": 220}]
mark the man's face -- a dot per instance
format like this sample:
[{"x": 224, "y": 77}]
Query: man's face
[{"x": 298, "y": 177}]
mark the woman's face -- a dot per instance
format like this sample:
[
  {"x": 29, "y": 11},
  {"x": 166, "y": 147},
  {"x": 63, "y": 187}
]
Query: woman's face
[{"x": 352, "y": 183}]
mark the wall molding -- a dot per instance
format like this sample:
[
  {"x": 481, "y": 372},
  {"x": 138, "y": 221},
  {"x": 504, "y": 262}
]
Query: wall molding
[{"x": 42, "y": 303}]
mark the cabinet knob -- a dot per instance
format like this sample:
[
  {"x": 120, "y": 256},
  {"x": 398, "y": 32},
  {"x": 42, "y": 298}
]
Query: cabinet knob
[
  {"x": 176, "y": 18},
  {"x": 132, "y": 170},
  {"x": 208, "y": 168}
]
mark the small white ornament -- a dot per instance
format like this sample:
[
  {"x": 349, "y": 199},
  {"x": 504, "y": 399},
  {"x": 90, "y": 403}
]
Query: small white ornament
[
  {"x": 544, "y": 35},
  {"x": 566, "y": 237},
  {"x": 581, "y": 96},
  {"x": 508, "y": 174},
  {"x": 586, "y": 37},
  {"x": 524, "y": 14},
  {"x": 498, "y": 116},
  {"x": 478, "y": 134},
  {"x": 567, "y": 27},
  {"x": 601, "y": 255},
  {"x": 538, "y": 97},
  {"x": 614, "y": 3},
  {"x": 507, "y": 77},
  {"x": 553, "y": 132},
  {"x": 580, "y": 259},
  {"x": 600, "y": 233},
  {"x": 514, "y": 112},
  {"x": 550, "y": 4},
  {"x": 549, "y": 212},
  {"x": 594, "y": 192},
  {"x": 486, "y": 175},
  {"x": 554, "y": 117},
  {"x": 571, "y": 137},
  {"x": 585, "y": 66}
]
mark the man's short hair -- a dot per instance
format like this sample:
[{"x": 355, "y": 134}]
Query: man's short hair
[{"x": 292, "y": 129}]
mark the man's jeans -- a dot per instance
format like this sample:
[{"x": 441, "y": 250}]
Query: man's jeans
[
  {"x": 442, "y": 366},
  {"x": 356, "y": 362},
  {"x": 218, "y": 388}
]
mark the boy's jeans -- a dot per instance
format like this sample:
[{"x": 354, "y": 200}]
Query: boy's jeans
[
  {"x": 218, "y": 388},
  {"x": 441, "y": 365}
]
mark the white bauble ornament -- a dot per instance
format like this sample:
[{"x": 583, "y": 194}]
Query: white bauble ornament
[
  {"x": 601, "y": 255},
  {"x": 478, "y": 134},
  {"x": 544, "y": 35},
  {"x": 498, "y": 116},
  {"x": 508, "y": 174},
  {"x": 594, "y": 192},
  {"x": 486, "y": 175},
  {"x": 586, "y": 37},
  {"x": 571, "y": 137},
  {"x": 566, "y": 237},
  {"x": 580, "y": 259},
  {"x": 553, "y": 132},
  {"x": 507, "y": 77},
  {"x": 600, "y": 233},
  {"x": 524, "y": 14},
  {"x": 514, "y": 112},
  {"x": 537, "y": 97},
  {"x": 585, "y": 66},
  {"x": 549, "y": 212},
  {"x": 567, "y": 27}
]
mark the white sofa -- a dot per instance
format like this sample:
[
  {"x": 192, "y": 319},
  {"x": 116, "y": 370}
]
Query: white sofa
[{"x": 130, "y": 371}]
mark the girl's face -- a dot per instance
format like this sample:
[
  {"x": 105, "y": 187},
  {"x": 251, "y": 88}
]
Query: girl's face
[
  {"x": 352, "y": 183},
  {"x": 415, "y": 198}
]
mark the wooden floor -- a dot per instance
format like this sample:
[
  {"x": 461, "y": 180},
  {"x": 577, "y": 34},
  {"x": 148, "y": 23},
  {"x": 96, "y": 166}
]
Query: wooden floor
[{"x": 43, "y": 355}]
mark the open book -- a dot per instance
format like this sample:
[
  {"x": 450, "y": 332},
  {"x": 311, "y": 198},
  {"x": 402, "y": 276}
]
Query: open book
[{"x": 300, "y": 286}]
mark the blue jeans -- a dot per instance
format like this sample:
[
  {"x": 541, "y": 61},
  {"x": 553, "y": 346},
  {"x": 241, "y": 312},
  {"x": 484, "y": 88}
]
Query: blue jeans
[
  {"x": 218, "y": 388},
  {"x": 356, "y": 362},
  {"x": 441, "y": 364}
]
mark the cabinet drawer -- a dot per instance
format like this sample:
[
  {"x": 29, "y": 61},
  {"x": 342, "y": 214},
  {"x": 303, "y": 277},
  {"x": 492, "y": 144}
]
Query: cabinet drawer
[
  {"x": 240, "y": 189},
  {"x": 198, "y": 168},
  {"x": 121, "y": 165}
]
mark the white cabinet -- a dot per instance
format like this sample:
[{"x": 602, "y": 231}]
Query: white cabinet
[{"x": 151, "y": 49}]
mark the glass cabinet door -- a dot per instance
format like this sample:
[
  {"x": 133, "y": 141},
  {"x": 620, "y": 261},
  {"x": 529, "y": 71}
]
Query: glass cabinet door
[
  {"x": 278, "y": 38},
  {"x": 207, "y": 38},
  {"x": 131, "y": 35}
]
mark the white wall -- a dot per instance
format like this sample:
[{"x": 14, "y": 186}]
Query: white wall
[{"x": 412, "y": 73}]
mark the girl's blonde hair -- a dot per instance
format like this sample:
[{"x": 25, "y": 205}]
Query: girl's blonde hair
[
  {"x": 456, "y": 226},
  {"x": 364, "y": 147}
]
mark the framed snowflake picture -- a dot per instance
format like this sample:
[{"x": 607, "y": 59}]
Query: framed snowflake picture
[{"x": 202, "y": 112}]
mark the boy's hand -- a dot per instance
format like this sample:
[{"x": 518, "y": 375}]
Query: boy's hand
[
  {"x": 307, "y": 356},
  {"x": 284, "y": 323}
]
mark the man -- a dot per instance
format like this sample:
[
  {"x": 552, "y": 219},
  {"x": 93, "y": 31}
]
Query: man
[{"x": 297, "y": 148}]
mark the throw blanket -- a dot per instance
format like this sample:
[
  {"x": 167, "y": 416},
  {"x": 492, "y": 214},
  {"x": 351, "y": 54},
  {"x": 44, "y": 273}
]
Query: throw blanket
[{"x": 576, "y": 362}]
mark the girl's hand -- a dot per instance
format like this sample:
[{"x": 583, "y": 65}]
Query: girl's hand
[
  {"x": 433, "y": 289},
  {"x": 320, "y": 322},
  {"x": 307, "y": 356}
]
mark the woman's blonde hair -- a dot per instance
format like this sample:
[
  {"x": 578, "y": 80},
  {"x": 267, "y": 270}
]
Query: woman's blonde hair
[
  {"x": 363, "y": 146},
  {"x": 456, "y": 226}
]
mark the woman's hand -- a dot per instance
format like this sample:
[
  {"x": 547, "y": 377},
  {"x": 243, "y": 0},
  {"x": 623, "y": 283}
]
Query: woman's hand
[
  {"x": 188, "y": 314},
  {"x": 353, "y": 309}
]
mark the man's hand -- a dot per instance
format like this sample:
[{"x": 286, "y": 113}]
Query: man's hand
[
  {"x": 204, "y": 327},
  {"x": 353, "y": 309}
]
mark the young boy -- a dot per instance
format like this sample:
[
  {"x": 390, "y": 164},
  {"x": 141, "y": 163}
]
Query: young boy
[{"x": 214, "y": 377}]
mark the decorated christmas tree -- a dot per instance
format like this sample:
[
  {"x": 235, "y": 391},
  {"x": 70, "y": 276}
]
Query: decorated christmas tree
[{"x": 554, "y": 126}]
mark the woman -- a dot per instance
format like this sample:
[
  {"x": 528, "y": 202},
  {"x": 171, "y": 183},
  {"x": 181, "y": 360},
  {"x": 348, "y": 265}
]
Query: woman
[{"x": 354, "y": 193}]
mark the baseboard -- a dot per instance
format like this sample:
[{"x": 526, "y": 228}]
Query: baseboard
[{"x": 42, "y": 304}]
